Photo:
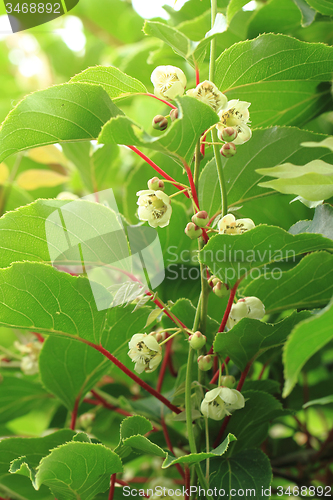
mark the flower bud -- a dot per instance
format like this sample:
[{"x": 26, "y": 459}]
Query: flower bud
[
  {"x": 256, "y": 309},
  {"x": 205, "y": 362},
  {"x": 160, "y": 122},
  {"x": 228, "y": 381},
  {"x": 221, "y": 289},
  {"x": 192, "y": 231},
  {"x": 228, "y": 150},
  {"x": 200, "y": 219},
  {"x": 197, "y": 340},
  {"x": 174, "y": 114},
  {"x": 156, "y": 184},
  {"x": 228, "y": 134},
  {"x": 157, "y": 335}
]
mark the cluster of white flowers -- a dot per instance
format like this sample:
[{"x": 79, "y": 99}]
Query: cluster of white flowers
[
  {"x": 230, "y": 225},
  {"x": 30, "y": 351},
  {"x": 249, "y": 307},
  {"x": 220, "y": 402},
  {"x": 145, "y": 352},
  {"x": 233, "y": 127}
]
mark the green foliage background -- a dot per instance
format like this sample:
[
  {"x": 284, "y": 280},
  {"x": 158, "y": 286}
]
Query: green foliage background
[{"x": 279, "y": 57}]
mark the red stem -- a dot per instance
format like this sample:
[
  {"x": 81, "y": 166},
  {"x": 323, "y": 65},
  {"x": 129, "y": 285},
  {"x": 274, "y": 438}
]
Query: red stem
[
  {"x": 202, "y": 146},
  {"x": 194, "y": 195},
  {"x": 74, "y": 412},
  {"x": 113, "y": 408},
  {"x": 158, "y": 303},
  {"x": 132, "y": 375},
  {"x": 262, "y": 371},
  {"x": 162, "y": 100},
  {"x": 107, "y": 405},
  {"x": 243, "y": 376},
  {"x": 169, "y": 445},
  {"x": 171, "y": 368},
  {"x": 228, "y": 309},
  {"x": 187, "y": 482},
  {"x": 40, "y": 338},
  {"x": 229, "y": 305},
  {"x": 112, "y": 485},
  {"x": 158, "y": 169},
  {"x": 164, "y": 365},
  {"x": 197, "y": 76}
]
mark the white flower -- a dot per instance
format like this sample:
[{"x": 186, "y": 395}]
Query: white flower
[
  {"x": 256, "y": 309},
  {"x": 220, "y": 402},
  {"x": 229, "y": 225},
  {"x": 235, "y": 114},
  {"x": 145, "y": 352},
  {"x": 249, "y": 307},
  {"x": 29, "y": 361},
  {"x": 168, "y": 81},
  {"x": 208, "y": 93},
  {"x": 154, "y": 207}
]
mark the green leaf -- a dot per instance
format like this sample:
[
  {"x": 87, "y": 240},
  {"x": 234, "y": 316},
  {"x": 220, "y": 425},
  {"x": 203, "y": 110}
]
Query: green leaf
[
  {"x": 321, "y": 401},
  {"x": 233, "y": 7},
  {"x": 249, "y": 338},
  {"x": 249, "y": 471},
  {"x": 307, "y": 286},
  {"x": 276, "y": 16},
  {"x": 33, "y": 303},
  {"x": 171, "y": 36},
  {"x": 132, "y": 426},
  {"x": 326, "y": 143},
  {"x": 233, "y": 256},
  {"x": 116, "y": 83},
  {"x": 313, "y": 181},
  {"x": 322, "y": 223},
  {"x": 132, "y": 438},
  {"x": 94, "y": 166},
  {"x": 179, "y": 139},
  {"x": 69, "y": 112},
  {"x": 308, "y": 14},
  {"x": 153, "y": 315},
  {"x": 267, "y": 385},
  {"x": 254, "y": 71},
  {"x": 323, "y": 6},
  {"x": 19, "y": 396},
  {"x": 195, "y": 458},
  {"x": 78, "y": 470},
  {"x": 267, "y": 147},
  {"x": 312, "y": 186},
  {"x": 305, "y": 340},
  {"x": 251, "y": 422},
  {"x": 34, "y": 449},
  {"x": 193, "y": 52},
  {"x": 79, "y": 154},
  {"x": 69, "y": 369},
  {"x": 73, "y": 313},
  {"x": 31, "y": 233},
  {"x": 143, "y": 446}
]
